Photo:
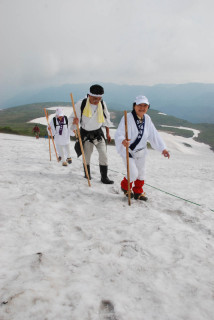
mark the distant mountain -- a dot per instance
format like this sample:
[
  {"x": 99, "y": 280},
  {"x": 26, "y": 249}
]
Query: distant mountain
[
  {"x": 16, "y": 120},
  {"x": 193, "y": 101}
]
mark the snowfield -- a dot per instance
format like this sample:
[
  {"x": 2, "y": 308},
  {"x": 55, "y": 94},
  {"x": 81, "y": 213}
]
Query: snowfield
[
  {"x": 73, "y": 252},
  {"x": 195, "y": 132}
]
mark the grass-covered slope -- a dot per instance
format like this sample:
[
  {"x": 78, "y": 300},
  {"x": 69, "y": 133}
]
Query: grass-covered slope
[{"x": 15, "y": 120}]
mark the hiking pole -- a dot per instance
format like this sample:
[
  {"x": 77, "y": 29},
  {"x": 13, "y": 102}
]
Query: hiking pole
[
  {"x": 51, "y": 134},
  {"x": 49, "y": 140},
  {"x": 80, "y": 140},
  {"x": 127, "y": 158}
]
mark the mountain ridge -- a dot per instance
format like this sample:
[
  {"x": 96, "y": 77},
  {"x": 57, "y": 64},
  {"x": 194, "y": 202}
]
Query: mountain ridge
[
  {"x": 15, "y": 120},
  {"x": 192, "y": 101}
]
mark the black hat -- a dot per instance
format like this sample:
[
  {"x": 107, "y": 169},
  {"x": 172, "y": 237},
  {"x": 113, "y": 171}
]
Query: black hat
[{"x": 96, "y": 90}]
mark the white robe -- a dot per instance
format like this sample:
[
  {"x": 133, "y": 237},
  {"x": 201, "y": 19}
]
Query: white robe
[
  {"x": 90, "y": 124},
  {"x": 151, "y": 135},
  {"x": 64, "y": 138}
]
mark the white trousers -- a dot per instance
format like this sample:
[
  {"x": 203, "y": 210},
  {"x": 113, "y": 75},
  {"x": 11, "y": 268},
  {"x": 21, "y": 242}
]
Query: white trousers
[
  {"x": 137, "y": 168},
  {"x": 102, "y": 151},
  {"x": 64, "y": 151}
]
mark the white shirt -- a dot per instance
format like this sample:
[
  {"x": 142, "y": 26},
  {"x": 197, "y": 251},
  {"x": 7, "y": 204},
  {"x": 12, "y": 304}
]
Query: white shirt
[
  {"x": 92, "y": 123},
  {"x": 64, "y": 138},
  {"x": 150, "y": 134}
]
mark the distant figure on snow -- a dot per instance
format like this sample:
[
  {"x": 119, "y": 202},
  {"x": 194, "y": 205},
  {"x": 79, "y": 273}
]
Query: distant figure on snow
[
  {"x": 36, "y": 131},
  {"x": 93, "y": 115},
  {"x": 60, "y": 128},
  {"x": 140, "y": 130}
]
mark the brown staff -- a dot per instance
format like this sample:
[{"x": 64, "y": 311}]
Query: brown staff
[
  {"x": 80, "y": 140},
  {"x": 49, "y": 140},
  {"x": 51, "y": 134},
  {"x": 127, "y": 158}
]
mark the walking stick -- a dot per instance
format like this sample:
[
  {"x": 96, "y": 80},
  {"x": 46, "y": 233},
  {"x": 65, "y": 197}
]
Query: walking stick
[
  {"x": 80, "y": 140},
  {"x": 49, "y": 146},
  {"x": 49, "y": 140},
  {"x": 51, "y": 134},
  {"x": 127, "y": 159}
]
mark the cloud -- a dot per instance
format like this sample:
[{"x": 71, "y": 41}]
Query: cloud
[{"x": 49, "y": 42}]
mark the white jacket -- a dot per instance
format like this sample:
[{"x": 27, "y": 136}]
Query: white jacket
[
  {"x": 90, "y": 124},
  {"x": 150, "y": 134},
  {"x": 65, "y": 137}
]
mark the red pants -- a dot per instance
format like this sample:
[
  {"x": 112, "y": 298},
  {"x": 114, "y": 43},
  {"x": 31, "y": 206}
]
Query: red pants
[{"x": 138, "y": 185}]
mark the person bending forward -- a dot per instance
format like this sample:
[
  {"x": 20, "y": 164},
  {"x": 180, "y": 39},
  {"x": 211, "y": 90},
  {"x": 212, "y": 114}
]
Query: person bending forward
[{"x": 60, "y": 128}]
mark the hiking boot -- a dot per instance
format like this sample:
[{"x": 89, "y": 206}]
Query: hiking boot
[
  {"x": 60, "y": 158},
  {"x": 64, "y": 164},
  {"x": 127, "y": 193},
  {"x": 69, "y": 160},
  {"x": 104, "y": 177},
  {"x": 140, "y": 196}
]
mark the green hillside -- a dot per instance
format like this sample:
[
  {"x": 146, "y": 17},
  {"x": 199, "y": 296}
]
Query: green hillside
[
  {"x": 206, "y": 130},
  {"x": 14, "y": 120}
]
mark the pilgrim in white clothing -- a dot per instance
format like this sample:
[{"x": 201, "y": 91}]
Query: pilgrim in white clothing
[
  {"x": 93, "y": 115},
  {"x": 140, "y": 131},
  {"x": 60, "y": 127}
]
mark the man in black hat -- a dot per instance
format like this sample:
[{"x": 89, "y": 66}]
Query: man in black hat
[{"x": 93, "y": 115}]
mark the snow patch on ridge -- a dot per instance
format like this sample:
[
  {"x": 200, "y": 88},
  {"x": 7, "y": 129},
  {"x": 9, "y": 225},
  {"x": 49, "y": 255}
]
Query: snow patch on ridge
[{"x": 195, "y": 132}]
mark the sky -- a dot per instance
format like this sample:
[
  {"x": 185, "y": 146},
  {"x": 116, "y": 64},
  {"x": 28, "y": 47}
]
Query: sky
[
  {"x": 137, "y": 42},
  {"x": 70, "y": 251}
]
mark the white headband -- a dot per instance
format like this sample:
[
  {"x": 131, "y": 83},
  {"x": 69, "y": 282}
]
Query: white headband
[{"x": 95, "y": 95}]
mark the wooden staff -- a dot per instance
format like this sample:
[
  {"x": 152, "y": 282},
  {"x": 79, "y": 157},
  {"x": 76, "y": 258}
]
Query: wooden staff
[
  {"x": 127, "y": 158},
  {"x": 51, "y": 134},
  {"x": 49, "y": 146},
  {"x": 80, "y": 140},
  {"x": 49, "y": 140}
]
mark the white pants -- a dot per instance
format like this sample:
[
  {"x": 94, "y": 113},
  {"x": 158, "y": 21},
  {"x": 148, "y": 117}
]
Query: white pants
[
  {"x": 64, "y": 151},
  {"x": 101, "y": 148},
  {"x": 137, "y": 168}
]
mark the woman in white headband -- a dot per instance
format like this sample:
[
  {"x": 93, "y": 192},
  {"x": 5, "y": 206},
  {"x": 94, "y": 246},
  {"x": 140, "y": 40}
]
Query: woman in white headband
[{"x": 140, "y": 130}]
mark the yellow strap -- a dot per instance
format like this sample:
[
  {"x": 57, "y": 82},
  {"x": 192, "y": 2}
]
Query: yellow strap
[
  {"x": 100, "y": 113},
  {"x": 87, "y": 112}
]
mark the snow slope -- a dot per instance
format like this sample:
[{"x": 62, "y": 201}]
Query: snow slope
[{"x": 73, "y": 252}]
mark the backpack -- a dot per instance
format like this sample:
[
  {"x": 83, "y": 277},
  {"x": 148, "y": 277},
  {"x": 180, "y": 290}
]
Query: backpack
[
  {"x": 54, "y": 122},
  {"x": 83, "y": 107}
]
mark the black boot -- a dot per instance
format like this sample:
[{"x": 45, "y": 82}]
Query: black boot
[
  {"x": 89, "y": 174},
  {"x": 104, "y": 177}
]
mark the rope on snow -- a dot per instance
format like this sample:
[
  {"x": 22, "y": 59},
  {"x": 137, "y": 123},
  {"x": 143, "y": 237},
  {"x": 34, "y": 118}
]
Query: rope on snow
[{"x": 171, "y": 194}]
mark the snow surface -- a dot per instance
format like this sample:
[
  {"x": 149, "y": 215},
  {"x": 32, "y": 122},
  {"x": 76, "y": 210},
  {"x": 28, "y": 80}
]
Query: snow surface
[
  {"x": 163, "y": 114},
  {"x": 195, "y": 131},
  {"x": 74, "y": 252},
  {"x": 42, "y": 120}
]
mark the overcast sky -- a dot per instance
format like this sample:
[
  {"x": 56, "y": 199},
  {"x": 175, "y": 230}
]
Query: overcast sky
[{"x": 144, "y": 42}]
